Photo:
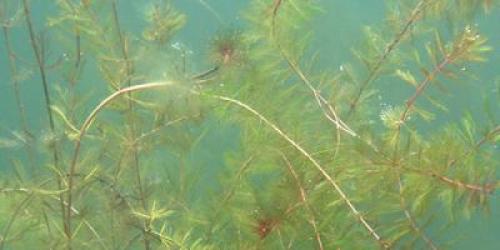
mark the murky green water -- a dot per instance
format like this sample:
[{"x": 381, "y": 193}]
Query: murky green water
[{"x": 209, "y": 162}]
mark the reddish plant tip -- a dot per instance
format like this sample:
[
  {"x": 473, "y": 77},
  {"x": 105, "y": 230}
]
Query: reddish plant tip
[
  {"x": 226, "y": 51},
  {"x": 227, "y": 48},
  {"x": 264, "y": 227}
]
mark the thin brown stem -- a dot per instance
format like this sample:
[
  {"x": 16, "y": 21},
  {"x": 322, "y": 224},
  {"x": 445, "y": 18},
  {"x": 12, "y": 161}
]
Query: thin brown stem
[
  {"x": 122, "y": 43},
  {"x": 228, "y": 195},
  {"x": 327, "y": 109},
  {"x": 478, "y": 144},
  {"x": 324, "y": 105},
  {"x": 396, "y": 167},
  {"x": 410, "y": 102},
  {"x": 19, "y": 103},
  {"x": 133, "y": 132},
  {"x": 460, "y": 49},
  {"x": 303, "y": 197},
  {"x": 398, "y": 38},
  {"x": 41, "y": 66},
  {"x": 413, "y": 223},
  {"x": 486, "y": 188}
]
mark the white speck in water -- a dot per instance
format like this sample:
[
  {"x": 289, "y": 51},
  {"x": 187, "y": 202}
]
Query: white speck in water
[
  {"x": 385, "y": 112},
  {"x": 182, "y": 48},
  {"x": 341, "y": 67},
  {"x": 177, "y": 45}
]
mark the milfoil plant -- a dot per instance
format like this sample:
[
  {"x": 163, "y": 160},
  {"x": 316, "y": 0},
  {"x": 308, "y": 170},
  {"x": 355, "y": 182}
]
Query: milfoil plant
[{"x": 260, "y": 143}]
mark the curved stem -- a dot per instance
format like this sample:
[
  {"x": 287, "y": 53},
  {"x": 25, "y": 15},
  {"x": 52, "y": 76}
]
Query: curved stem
[
  {"x": 86, "y": 125},
  {"x": 292, "y": 142},
  {"x": 315, "y": 163}
]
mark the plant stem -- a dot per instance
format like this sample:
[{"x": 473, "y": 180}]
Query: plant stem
[
  {"x": 374, "y": 72},
  {"x": 490, "y": 134},
  {"x": 486, "y": 188},
  {"x": 88, "y": 122},
  {"x": 41, "y": 66},
  {"x": 315, "y": 163},
  {"x": 154, "y": 85},
  {"x": 18, "y": 209},
  {"x": 328, "y": 111},
  {"x": 128, "y": 70},
  {"x": 413, "y": 223},
  {"x": 303, "y": 198},
  {"x": 19, "y": 103}
]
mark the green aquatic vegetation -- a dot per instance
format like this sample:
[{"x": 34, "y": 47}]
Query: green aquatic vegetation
[{"x": 255, "y": 144}]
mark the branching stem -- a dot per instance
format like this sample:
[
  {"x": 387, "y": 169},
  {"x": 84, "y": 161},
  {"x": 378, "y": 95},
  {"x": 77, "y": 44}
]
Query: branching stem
[
  {"x": 315, "y": 163},
  {"x": 86, "y": 124},
  {"x": 154, "y": 85},
  {"x": 374, "y": 72}
]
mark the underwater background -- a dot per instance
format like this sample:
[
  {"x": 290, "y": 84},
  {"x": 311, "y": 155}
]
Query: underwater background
[{"x": 338, "y": 28}]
